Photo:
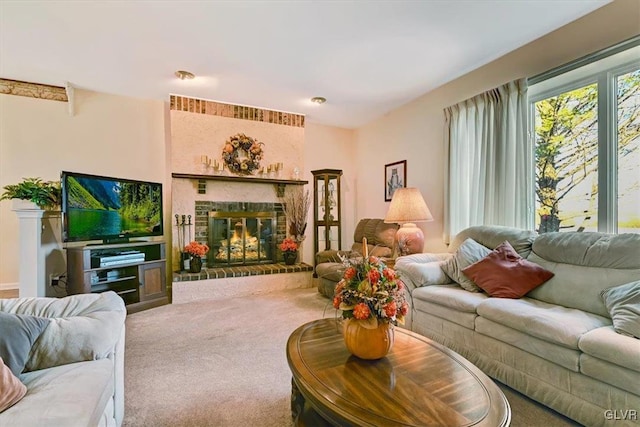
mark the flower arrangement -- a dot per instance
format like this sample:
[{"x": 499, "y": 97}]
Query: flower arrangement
[
  {"x": 242, "y": 154},
  {"x": 370, "y": 292},
  {"x": 288, "y": 245},
  {"x": 45, "y": 194},
  {"x": 196, "y": 249}
]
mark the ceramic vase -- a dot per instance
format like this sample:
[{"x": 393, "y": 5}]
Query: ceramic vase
[
  {"x": 195, "y": 264},
  {"x": 290, "y": 257}
]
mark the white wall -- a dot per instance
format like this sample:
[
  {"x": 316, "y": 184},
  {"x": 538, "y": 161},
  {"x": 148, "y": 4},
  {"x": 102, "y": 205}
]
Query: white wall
[
  {"x": 108, "y": 135},
  {"x": 331, "y": 148},
  {"x": 415, "y": 132}
]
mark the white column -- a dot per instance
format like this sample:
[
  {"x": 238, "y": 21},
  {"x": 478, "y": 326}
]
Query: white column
[{"x": 32, "y": 259}]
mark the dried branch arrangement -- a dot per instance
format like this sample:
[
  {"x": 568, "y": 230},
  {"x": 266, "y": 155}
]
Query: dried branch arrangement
[{"x": 296, "y": 203}]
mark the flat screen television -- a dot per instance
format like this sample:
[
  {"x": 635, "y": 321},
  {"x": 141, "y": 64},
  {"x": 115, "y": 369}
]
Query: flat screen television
[{"x": 109, "y": 209}]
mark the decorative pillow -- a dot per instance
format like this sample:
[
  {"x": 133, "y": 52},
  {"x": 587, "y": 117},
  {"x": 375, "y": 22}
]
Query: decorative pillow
[
  {"x": 623, "y": 305},
  {"x": 12, "y": 389},
  {"x": 468, "y": 252},
  {"x": 505, "y": 274},
  {"x": 18, "y": 332}
]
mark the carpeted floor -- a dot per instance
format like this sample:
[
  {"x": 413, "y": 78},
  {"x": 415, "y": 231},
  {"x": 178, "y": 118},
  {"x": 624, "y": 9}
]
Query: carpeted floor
[{"x": 223, "y": 363}]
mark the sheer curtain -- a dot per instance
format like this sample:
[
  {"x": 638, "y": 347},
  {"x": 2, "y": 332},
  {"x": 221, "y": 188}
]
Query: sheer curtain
[{"x": 490, "y": 161}]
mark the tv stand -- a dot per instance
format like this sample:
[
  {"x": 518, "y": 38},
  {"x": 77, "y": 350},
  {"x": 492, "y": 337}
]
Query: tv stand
[{"x": 134, "y": 270}]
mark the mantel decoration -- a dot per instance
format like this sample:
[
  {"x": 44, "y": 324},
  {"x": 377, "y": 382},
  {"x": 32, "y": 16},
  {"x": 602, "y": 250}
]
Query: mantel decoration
[
  {"x": 196, "y": 251},
  {"x": 371, "y": 298},
  {"x": 45, "y": 194},
  {"x": 242, "y": 154},
  {"x": 289, "y": 249}
]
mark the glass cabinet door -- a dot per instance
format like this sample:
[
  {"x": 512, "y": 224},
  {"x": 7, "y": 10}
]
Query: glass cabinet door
[{"x": 327, "y": 215}]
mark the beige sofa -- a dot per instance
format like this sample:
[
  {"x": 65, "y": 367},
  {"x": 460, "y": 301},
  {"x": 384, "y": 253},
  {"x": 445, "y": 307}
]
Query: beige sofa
[
  {"x": 380, "y": 238},
  {"x": 557, "y": 344},
  {"x": 75, "y": 370}
]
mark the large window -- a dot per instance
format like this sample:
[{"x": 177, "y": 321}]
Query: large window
[{"x": 586, "y": 125}]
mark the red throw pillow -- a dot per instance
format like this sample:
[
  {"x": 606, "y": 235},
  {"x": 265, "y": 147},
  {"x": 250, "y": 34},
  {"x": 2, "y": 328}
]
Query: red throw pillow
[
  {"x": 505, "y": 274},
  {"x": 12, "y": 389}
]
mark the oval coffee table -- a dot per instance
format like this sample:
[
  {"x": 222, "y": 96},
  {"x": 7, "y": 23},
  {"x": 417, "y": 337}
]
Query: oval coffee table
[{"x": 419, "y": 383}]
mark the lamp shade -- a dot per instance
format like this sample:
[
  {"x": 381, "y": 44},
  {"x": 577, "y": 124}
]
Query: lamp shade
[{"x": 408, "y": 205}]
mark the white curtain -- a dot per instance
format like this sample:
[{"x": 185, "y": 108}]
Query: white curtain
[{"x": 490, "y": 161}]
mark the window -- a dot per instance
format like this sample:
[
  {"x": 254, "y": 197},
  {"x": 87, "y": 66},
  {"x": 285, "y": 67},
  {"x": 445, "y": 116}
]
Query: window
[{"x": 586, "y": 128}]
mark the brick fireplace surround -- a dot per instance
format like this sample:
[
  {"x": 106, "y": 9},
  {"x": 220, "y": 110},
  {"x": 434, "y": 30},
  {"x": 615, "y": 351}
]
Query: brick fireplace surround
[{"x": 201, "y": 127}]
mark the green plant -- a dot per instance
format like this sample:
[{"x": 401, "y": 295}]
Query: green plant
[{"x": 45, "y": 194}]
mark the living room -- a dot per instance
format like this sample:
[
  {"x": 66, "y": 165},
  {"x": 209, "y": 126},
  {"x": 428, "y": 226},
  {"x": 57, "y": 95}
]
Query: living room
[{"x": 114, "y": 135}]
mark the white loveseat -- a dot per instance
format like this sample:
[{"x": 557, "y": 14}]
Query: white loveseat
[
  {"x": 557, "y": 344},
  {"x": 75, "y": 371}
]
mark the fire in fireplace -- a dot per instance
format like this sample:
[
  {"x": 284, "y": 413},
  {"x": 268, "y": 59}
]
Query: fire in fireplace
[{"x": 241, "y": 238}]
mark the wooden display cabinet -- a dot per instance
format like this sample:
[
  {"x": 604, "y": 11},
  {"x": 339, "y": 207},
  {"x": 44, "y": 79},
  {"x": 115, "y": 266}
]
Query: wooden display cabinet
[{"x": 327, "y": 218}]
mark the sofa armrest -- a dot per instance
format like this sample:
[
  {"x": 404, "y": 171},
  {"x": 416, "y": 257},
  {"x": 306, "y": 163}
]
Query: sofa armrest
[
  {"x": 83, "y": 327},
  {"x": 331, "y": 256},
  {"x": 420, "y": 273}
]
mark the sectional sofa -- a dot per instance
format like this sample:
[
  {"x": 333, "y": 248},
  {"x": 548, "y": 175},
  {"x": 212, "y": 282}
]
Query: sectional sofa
[
  {"x": 558, "y": 344},
  {"x": 73, "y": 354}
]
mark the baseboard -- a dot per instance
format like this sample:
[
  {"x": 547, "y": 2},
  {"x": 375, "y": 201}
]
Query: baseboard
[{"x": 9, "y": 286}]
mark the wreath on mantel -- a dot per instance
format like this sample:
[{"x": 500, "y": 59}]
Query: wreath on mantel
[{"x": 242, "y": 154}]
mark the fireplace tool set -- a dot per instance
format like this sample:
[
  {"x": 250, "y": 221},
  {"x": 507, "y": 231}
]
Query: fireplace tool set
[{"x": 183, "y": 223}]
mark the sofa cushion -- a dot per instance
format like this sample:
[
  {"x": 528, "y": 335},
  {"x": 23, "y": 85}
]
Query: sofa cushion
[
  {"x": 330, "y": 271},
  {"x": 450, "y": 296},
  {"x": 505, "y": 274},
  {"x": 623, "y": 304},
  {"x": 610, "y": 373},
  {"x": 584, "y": 264},
  {"x": 462, "y": 318},
  {"x": 493, "y": 235},
  {"x": 82, "y": 327},
  {"x": 468, "y": 253},
  {"x": 552, "y": 323},
  {"x": 12, "y": 390},
  {"x": 558, "y": 354},
  {"x": 18, "y": 333},
  {"x": 604, "y": 343},
  {"x": 71, "y": 395}
]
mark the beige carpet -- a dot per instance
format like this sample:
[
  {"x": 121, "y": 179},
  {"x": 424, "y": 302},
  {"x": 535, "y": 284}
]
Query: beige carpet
[{"x": 223, "y": 363}]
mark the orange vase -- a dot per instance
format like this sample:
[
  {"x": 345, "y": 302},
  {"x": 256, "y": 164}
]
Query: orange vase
[{"x": 366, "y": 343}]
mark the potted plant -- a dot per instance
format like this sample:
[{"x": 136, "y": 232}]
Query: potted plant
[
  {"x": 44, "y": 194},
  {"x": 371, "y": 298},
  {"x": 289, "y": 249},
  {"x": 196, "y": 251}
]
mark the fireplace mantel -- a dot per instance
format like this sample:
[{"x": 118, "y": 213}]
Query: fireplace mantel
[{"x": 279, "y": 183}]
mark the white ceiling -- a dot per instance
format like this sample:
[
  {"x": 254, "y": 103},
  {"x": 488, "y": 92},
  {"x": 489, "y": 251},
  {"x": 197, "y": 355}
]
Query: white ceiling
[{"x": 366, "y": 57}]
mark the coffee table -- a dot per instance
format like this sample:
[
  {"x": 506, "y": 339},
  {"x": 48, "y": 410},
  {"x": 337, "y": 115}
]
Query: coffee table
[{"x": 419, "y": 383}]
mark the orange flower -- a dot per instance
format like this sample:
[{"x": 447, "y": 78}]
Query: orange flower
[
  {"x": 350, "y": 273},
  {"x": 400, "y": 285},
  {"x": 288, "y": 245},
  {"x": 196, "y": 249},
  {"x": 404, "y": 309},
  {"x": 373, "y": 276},
  {"x": 361, "y": 311},
  {"x": 390, "y": 309},
  {"x": 336, "y": 302},
  {"x": 389, "y": 274}
]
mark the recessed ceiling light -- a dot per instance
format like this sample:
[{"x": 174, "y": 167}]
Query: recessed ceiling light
[
  {"x": 318, "y": 100},
  {"x": 184, "y": 75}
]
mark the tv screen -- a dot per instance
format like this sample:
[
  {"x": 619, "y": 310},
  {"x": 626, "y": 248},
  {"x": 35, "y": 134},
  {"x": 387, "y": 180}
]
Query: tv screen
[{"x": 109, "y": 209}]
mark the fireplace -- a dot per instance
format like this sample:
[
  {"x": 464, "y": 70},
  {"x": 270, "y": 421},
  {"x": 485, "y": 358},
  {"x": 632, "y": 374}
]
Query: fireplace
[{"x": 242, "y": 238}]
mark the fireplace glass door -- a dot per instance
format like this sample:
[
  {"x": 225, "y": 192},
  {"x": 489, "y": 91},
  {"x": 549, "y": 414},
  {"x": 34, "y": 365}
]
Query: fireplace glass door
[{"x": 241, "y": 238}]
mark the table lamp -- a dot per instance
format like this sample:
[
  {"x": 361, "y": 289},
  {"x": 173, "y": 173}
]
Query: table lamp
[{"x": 408, "y": 207}]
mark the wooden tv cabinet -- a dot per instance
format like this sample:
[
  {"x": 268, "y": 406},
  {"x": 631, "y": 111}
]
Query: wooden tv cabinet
[{"x": 136, "y": 271}]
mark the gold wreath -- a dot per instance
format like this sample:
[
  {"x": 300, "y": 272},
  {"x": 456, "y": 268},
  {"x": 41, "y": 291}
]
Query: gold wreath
[{"x": 242, "y": 154}]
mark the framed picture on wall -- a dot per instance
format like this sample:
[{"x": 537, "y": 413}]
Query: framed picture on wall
[{"x": 395, "y": 176}]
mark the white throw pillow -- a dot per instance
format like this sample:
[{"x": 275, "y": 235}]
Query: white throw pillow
[{"x": 468, "y": 253}]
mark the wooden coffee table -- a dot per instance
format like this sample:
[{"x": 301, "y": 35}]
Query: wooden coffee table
[{"x": 419, "y": 383}]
